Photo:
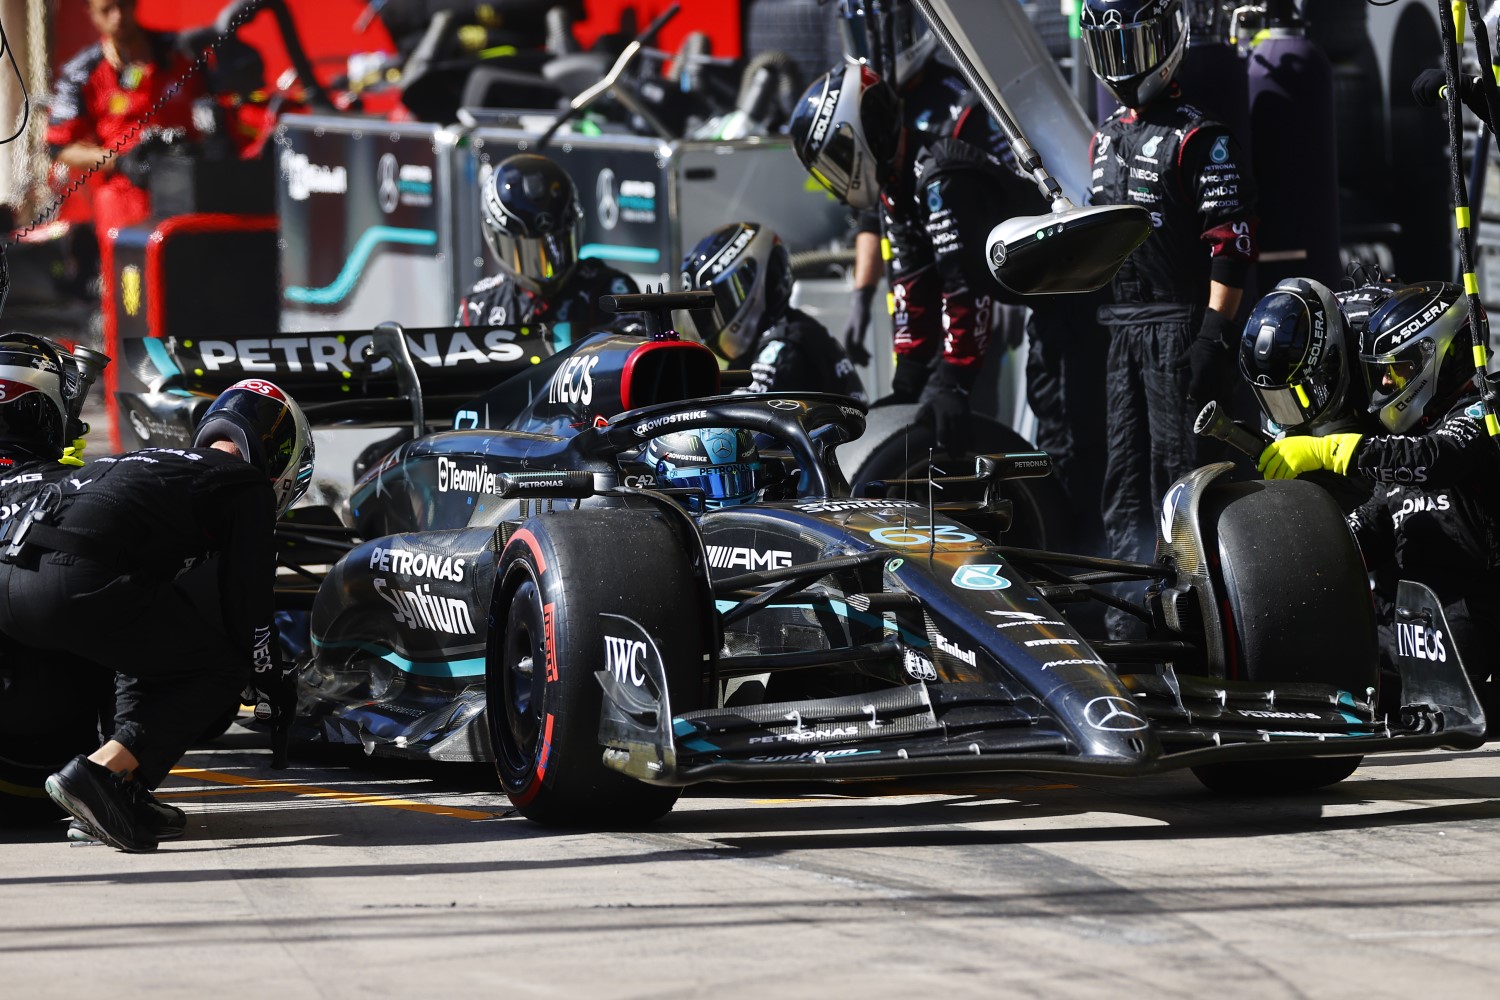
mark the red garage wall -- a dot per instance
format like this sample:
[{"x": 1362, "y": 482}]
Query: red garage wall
[{"x": 719, "y": 19}]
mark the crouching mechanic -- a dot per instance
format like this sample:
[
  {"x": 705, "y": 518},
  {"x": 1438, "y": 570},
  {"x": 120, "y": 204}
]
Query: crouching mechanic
[
  {"x": 106, "y": 545},
  {"x": 1434, "y": 513},
  {"x": 749, "y": 271}
]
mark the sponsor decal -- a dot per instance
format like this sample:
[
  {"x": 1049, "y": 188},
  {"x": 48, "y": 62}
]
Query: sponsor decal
[
  {"x": 1420, "y": 642},
  {"x": 305, "y": 178},
  {"x": 455, "y": 478},
  {"x": 420, "y": 608},
  {"x": 934, "y": 197},
  {"x": 1417, "y": 323},
  {"x": 386, "y": 190},
  {"x": 416, "y": 563},
  {"x": 1220, "y": 152},
  {"x": 1027, "y": 618},
  {"x": 549, "y": 637},
  {"x": 310, "y": 352},
  {"x": 1265, "y": 714},
  {"x": 783, "y": 404},
  {"x": 1073, "y": 663},
  {"x": 574, "y": 381},
  {"x": 825, "y": 115},
  {"x": 638, "y": 201},
  {"x": 808, "y": 755},
  {"x": 640, "y": 482},
  {"x": 740, "y": 557},
  {"x": 625, "y": 658},
  {"x": 1050, "y": 642},
  {"x": 1405, "y": 475},
  {"x": 807, "y": 735},
  {"x": 919, "y": 666},
  {"x": 1149, "y": 149},
  {"x": 980, "y": 576},
  {"x": 1419, "y": 505},
  {"x": 1114, "y": 715},
  {"x": 646, "y": 428},
  {"x": 834, "y": 506},
  {"x": 730, "y": 253},
  {"x": 953, "y": 649}
]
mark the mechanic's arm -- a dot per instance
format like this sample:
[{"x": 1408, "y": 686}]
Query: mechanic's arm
[
  {"x": 869, "y": 267},
  {"x": 1373, "y": 530},
  {"x": 247, "y": 570},
  {"x": 1448, "y": 455},
  {"x": 71, "y": 138},
  {"x": 1216, "y": 169}
]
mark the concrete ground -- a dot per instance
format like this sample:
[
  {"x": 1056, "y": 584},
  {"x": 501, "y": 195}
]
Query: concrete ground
[{"x": 344, "y": 877}]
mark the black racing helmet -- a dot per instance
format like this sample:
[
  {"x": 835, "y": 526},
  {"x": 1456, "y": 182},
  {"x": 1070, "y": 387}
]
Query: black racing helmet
[
  {"x": 721, "y": 461},
  {"x": 271, "y": 432},
  {"x": 749, "y": 271},
  {"x": 1134, "y": 46},
  {"x": 846, "y": 130},
  {"x": 1415, "y": 355},
  {"x": 1295, "y": 353},
  {"x": 37, "y": 383},
  {"x": 532, "y": 221}
]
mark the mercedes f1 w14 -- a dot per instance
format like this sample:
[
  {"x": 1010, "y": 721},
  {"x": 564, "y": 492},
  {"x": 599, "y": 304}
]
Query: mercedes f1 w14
[{"x": 523, "y": 589}]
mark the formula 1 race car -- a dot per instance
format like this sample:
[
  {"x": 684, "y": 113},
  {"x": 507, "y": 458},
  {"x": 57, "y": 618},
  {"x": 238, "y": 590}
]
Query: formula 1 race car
[{"x": 536, "y": 597}]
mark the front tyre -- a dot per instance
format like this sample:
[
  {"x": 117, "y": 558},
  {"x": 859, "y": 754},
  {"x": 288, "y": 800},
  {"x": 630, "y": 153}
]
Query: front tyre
[{"x": 559, "y": 576}]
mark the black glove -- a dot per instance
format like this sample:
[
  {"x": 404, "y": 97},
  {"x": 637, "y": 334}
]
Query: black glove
[
  {"x": 859, "y": 325},
  {"x": 1427, "y": 90},
  {"x": 945, "y": 404},
  {"x": 1208, "y": 359},
  {"x": 907, "y": 383}
]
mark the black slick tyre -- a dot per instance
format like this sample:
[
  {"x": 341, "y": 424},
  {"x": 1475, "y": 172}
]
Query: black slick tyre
[
  {"x": 559, "y": 576},
  {"x": 1291, "y": 587}
]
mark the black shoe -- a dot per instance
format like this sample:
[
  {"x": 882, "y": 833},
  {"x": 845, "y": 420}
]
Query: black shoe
[
  {"x": 167, "y": 822},
  {"x": 78, "y": 833},
  {"x": 108, "y": 809}
]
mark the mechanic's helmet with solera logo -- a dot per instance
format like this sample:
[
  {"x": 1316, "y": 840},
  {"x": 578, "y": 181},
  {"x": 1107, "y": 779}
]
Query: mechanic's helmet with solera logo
[
  {"x": 1134, "y": 46},
  {"x": 37, "y": 383},
  {"x": 749, "y": 271},
  {"x": 721, "y": 461},
  {"x": 846, "y": 130},
  {"x": 1415, "y": 355},
  {"x": 532, "y": 221},
  {"x": 270, "y": 431},
  {"x": 1296, "y": 355}
]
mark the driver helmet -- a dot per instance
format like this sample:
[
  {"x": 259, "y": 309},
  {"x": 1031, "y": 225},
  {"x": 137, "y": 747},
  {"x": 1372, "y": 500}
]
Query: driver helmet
[
  {"x": 37, "y": 382},
  {"x": 749, "y": 271},
  {"x": 721, "y": 461},
  {"x": 1134, "y": 46},
  {"x": 1295, "y": 355},
  {"x": 270, "y": 431},
  {"x": 1415, "y": 355},
  {"x": 846, "y": 129},
  {"x": 532, "y": 221}
]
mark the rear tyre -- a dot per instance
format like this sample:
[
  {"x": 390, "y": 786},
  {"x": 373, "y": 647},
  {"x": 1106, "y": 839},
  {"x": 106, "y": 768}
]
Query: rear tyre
[
  {"x": 1275, "y": 777},
  {"x": 558, "y": 575},
  {"x": 1291, "y": 585}
]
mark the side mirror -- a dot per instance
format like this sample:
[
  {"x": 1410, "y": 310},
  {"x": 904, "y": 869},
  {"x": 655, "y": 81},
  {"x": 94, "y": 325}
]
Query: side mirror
[{"x": 1069, "y": 250}]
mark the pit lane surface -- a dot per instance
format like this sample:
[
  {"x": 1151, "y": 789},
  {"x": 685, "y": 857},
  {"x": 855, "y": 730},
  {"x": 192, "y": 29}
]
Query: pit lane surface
[{"x": 351, "y": 878}]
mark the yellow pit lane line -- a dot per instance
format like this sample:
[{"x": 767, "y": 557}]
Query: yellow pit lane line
[{"x": 253, "y": 786}]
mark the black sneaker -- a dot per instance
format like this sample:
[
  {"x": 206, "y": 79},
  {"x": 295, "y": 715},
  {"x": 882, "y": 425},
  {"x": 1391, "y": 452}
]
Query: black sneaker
[
  {"x": 102, "y": 801},
  {"x": 167, "y": 822}
]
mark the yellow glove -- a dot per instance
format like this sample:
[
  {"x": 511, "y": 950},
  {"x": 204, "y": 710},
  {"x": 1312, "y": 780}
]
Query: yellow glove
[
  {"x": 1294, "y": 456},
  {"x": 71, "y": 453}
]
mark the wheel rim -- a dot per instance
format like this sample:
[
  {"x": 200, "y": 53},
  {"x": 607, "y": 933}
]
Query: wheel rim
[{"x": 517, "y": 696}]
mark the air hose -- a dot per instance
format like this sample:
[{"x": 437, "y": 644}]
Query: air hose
[{"x": 1450, "y": 22}]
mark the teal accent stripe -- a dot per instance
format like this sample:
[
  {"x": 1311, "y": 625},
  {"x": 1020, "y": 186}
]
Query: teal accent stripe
[
  {"x": 159, "y": 357},
  {"x": 470, "y": 667},
  {"x": 635, "y": 255},
  {"x": 364, "y": 247}
]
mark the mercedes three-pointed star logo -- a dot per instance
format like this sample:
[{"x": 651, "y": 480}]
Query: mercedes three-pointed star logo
[{"x": 1114, "y": 715}]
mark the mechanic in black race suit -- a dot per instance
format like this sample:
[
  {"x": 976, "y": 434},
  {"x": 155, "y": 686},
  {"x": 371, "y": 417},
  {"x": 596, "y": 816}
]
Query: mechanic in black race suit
[
  {"x": 106, "y": 546},
  {"x": 1434, "y": 513},
  {"x": 44, "y": 704},
  {"x": 749, "y": 271},
  {"x": 1172, "y": 335},
  {"x": 533, "y": 223},
  {"x": 941, "y": 197},
  {"x": 1300, "y": 356}
]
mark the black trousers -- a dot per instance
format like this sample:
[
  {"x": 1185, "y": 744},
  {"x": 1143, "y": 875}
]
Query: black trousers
[{"x": 176, "y": 669}]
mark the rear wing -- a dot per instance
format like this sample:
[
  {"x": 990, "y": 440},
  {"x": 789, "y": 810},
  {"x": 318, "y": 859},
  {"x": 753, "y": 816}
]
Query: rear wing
[{"x": 331, "y": 374}]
